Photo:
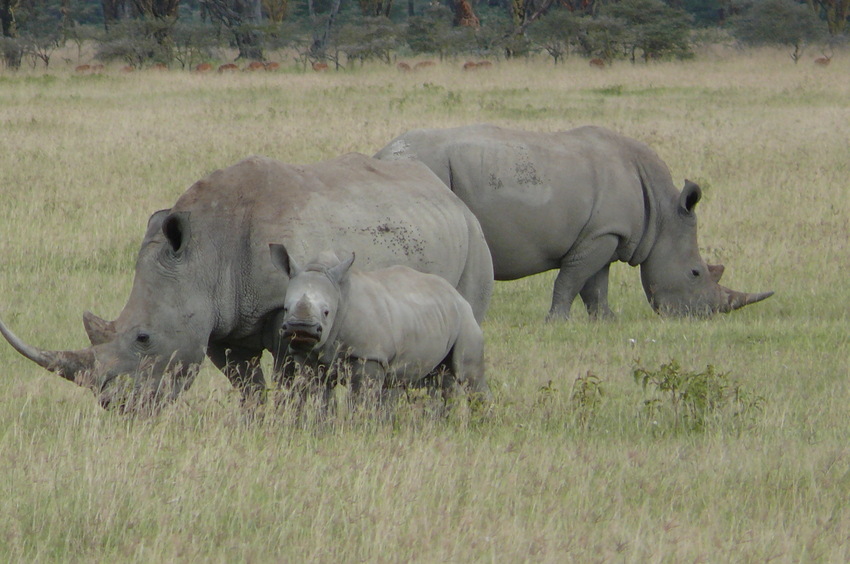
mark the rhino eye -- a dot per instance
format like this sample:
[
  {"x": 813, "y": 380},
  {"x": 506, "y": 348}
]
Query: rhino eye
[
  {"x": 695, "y": 273},
  {"x": 143, "y": 338},
  {"x": 326, "y": 313}
]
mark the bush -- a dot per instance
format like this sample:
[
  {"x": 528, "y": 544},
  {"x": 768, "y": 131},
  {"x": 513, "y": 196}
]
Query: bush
[
  {"x": 779, "y": 22},
  {"x": 652, "y": 27}
]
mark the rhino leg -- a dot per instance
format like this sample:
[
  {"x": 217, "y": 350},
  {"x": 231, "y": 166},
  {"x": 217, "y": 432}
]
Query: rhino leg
[
  {"x": 594, "y": 294},
  {"x": 367, "y": 381},
  {"x": 242, "y": 367},
  {"x": 467, "y": 367},
  {"x": 583, "y": 263}
]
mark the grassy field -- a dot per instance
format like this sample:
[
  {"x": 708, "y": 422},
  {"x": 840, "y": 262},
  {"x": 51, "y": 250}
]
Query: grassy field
[{"x": 575, "y": 461}]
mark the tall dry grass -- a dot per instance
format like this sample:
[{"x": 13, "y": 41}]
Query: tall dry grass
[{"x": 542, "y": 477}]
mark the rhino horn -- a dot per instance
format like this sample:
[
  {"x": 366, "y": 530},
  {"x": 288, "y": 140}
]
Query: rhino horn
[
  {"x": 99, "y": 330},
  {"x": 716, "y": 271},
  {"x": 732, "y": 300},
  {"x": 67, "y": 364}
]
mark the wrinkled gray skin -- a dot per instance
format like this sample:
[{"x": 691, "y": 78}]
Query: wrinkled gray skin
[
  {"x": 577, "y": 201},
  {"x": 391, "y": 327},
  {"x": 204, "y": 283}
]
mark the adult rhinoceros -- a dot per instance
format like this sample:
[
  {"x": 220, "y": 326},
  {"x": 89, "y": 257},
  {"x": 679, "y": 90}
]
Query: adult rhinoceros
[
  {"x": 577, "y": 200},
  {"x": 204, "y": 282}
]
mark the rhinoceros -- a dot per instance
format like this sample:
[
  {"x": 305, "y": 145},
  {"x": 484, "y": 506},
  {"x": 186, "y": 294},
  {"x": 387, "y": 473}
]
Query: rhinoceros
[
  {"x": 390, "y": 327},
  {"x": 204, "y": 283},
  {"x": 577, "y": 201}
]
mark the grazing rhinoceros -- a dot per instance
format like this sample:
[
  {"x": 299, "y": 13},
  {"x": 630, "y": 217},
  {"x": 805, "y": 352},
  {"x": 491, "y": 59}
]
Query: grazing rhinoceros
[
  {"x": 204, "y": 282},
  {"x": 577, "y": 200},
  {"x": 391, "y": 327}
]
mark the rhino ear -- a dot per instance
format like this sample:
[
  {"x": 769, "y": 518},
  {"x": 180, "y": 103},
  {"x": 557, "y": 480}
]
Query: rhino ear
[
  {"x": 155, "y": 223},
  {"x": 690, "y": 196},
  {"x": 175, "y": 227},
  {"x": 99, "y": 330},
  {"x": 338, "y": 271},
  {"x": 282, "y": 260}
]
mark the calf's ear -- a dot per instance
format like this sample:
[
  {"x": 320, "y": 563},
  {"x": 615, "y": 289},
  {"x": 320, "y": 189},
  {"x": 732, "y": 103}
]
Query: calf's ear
[{"x": 338, "y": 271}]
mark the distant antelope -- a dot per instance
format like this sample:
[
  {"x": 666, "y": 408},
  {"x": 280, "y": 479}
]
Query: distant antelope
[
  {"x": 403, "y": 67},
  {"x": 484, "y": 64},
  {"x": 271, "y": 65},
  {"x": 255, "y": 66},
  {"x": 823, "y": 61},
  {"x": 470, "y": 65},
  {"x": 423, "y": 64},
  {"x": 598, "y": 63},
  {"x": 228, "y": 67},
  {"x": 319, "y": 67},
  {"x": 203, "y": 67},
  {"x": 82, "y": 68}
]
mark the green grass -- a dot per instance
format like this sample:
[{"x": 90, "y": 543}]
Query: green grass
[{"x": 542, "y": 477}]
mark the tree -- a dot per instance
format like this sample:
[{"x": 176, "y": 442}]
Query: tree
[
  {"x": 601, "y": 36},
  {"x": 369, "y": 38},
  {"x": 242, "y": 19},
  {"x": 555, "y": 33},
  {"x": 779, "y": 22},
  {"x": 12, "y": 50},
  {"x": 652, "y": 27},
  {"x": 835, "y": 12}
]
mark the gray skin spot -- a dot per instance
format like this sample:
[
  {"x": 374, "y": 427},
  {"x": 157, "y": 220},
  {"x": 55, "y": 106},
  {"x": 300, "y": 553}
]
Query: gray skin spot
[
  {"x": 526, "y": 173},
  {"x": 396, "y": 237},
  {"x": 496, "y": 182}
]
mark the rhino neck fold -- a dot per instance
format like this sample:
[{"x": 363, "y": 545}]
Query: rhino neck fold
[{"x": 643, "y": 248}]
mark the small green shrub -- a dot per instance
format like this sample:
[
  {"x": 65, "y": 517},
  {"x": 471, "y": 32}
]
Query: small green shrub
[
  {"x": 694, "y": 400},
  {"x": 586, "y": 397}
]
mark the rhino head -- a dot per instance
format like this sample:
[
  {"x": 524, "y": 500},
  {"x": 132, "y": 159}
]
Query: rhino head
[
  {"x": 151, "y": 352},
  {"x": 312, "y": 298},
  {"x": 676, "y": 279}
]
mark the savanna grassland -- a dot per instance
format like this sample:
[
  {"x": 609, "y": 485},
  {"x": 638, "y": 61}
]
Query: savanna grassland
[{"x": 575, "y": 461}]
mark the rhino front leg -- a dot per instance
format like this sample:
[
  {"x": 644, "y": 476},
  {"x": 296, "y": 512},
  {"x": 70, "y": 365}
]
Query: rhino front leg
[
  {"x": 467, "y": 365},
  {"x": 578, "y": 267},
  {"x": 242, "y": 368},
  {"x": 594, "y": 294},
  {"x": 367, "y": 380}
]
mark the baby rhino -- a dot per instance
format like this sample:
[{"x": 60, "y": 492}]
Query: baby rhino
[{"x": 387, "y": 328}]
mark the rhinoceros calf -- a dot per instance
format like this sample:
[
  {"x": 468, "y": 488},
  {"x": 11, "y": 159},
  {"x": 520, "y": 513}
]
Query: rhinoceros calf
[
  {"x": 389, "y": 327},
  {"x": 204, "y": 282},
  {"x": 577, "y": 201}
]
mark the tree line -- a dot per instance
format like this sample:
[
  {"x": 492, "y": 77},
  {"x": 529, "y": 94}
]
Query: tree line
[{"x": 185, "y": 32}]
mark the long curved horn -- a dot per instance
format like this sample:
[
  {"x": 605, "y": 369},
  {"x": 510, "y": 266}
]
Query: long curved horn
[
  {"x": 65, "y": 363},
  {"x": 732, "y": 300}
]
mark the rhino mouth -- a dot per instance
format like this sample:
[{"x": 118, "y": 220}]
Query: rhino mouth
[{"x": 302, "y": 339}]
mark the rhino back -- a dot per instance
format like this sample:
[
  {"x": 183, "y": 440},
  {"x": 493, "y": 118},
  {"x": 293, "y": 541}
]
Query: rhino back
[
  {"x": 537, "y": 194},
  {"x": 403, "y": 318},
  {"x": 351, "y": 203}
]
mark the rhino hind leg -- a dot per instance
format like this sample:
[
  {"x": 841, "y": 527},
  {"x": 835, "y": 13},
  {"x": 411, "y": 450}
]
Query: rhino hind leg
[
  {"x": 583, "y": 265},
  {"x": 594, "y": 294}
]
